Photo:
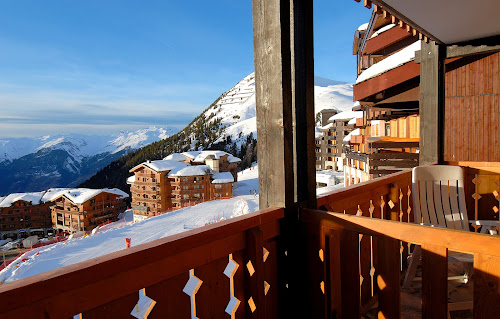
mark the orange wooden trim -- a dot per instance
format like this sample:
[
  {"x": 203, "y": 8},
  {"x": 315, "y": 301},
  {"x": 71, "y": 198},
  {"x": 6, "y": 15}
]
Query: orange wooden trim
[
  {"x": 386, "y": 80},
  {"x": 475, "y": 164},
  {"x": 385, "y": 39}
]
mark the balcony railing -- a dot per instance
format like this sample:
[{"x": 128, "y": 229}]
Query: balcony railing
[{"x": 351, "y": 263}]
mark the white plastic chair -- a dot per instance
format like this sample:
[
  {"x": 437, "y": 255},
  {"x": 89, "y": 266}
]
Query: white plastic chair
[{"x": 439, "y": 201}]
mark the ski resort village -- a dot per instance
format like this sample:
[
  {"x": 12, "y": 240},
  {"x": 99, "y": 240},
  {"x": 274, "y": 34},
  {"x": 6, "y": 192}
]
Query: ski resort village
[{"x": 290, "y": 195}]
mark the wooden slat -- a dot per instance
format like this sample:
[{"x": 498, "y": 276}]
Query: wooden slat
[
  {"x": 387, "y": 274},
  {"x": 271, "y": 274},
  {"x": 486, "y": 286},
  {"x": 430, "y": 202},
  {"x": 446, "y": 204},
  {"x": 438, "y": 205},
  {"x": 394, "y": 163},
  {"x": 394, "y": 155},
  {"x": 434, "y": 282},
  {"x": 255, "y": 283},
  {"x": 119, "y": 308},
  {"x": 455, "y": 211},
  {"x": 171, "y": 301},
  {"x": 239, "y": 283},
  {"x": 334, "y": 273},
  {"x": 416, "y": 200},
  {"x": 213, "y": 296},
  {"x": 424, "y": 202},
  {"x": 349, "y": 258}
]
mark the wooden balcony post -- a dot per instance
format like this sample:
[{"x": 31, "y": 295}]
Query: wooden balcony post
[
  {"x": 432, "y": 85},
  {"x": 284, "y": 85}
]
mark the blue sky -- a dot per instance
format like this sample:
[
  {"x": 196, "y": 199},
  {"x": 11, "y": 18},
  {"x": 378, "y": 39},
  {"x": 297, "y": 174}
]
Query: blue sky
[{"x": 98, "y": 67}]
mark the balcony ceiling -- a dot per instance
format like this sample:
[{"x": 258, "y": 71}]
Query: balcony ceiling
[{"x": 448, "y": 21}]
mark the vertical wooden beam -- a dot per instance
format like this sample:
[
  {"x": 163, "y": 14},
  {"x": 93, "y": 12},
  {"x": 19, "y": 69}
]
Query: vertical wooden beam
[
  {"x": 284, "y": 85},
  {"x": 431, "y": 102},
  {"x": 349, "y": 259},
  {"x": 435, "y": 282},
  {"x": 255, "y": 279}
]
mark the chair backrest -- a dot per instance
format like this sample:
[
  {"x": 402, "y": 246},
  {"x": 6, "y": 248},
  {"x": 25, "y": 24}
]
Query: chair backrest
[{"x": 439, "y": 196}]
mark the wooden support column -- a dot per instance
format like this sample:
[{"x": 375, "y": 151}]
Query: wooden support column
[
  {"x": 284, "y": 86},
  {"x": 431, "y": 102}
]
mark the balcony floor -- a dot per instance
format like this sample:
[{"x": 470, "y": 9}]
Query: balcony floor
[{"x": 411, "y": 298}]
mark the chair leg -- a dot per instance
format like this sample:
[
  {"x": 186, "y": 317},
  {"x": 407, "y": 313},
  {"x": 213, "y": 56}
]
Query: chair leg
[{"x": 412, "y": 268}]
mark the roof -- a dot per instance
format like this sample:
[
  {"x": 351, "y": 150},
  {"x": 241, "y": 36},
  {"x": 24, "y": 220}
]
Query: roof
[
  {"x": 447, "y": 21},
  {"x": 201, "y": 156},
  {"x": 346, "y": 115},
  {"x": 35, "y": 198},
  {"x": 161, "y": 165},
  {"x": 131, "y": 179},
  {"x": 76, "y": 195},
  {"x": 352, "y": 121},
  {"x": 81, "y": 195},
  {"x": 363, "y": 27},
  {"x": 391, "y": 62},
  {"x": 225, "y": 177},
  {"x": 327, "y": 126},
  {"x": 196, "y": 170},
  {"x": 176, "y": 157}
]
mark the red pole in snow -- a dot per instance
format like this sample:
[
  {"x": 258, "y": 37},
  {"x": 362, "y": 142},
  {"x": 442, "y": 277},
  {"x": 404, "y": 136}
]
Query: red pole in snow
[{"x": 127, "y": 242}]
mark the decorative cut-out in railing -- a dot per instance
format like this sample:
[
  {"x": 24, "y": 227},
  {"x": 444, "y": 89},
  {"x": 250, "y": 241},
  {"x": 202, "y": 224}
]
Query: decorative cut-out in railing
[
  {"x": 372, "y": 268},
  {"x": 322, "y": 287},
  {"x": 266, "y": 254},
  {"x": 267, "y": 286},
  {"x": 78, "y": 316},
  {"x": 230, "y": 270},
  {"x": 250, "y": 268},
  {"x": 391, "y": 204},
  {"x": 251, "y": 304},
  {"x": 321, "y": 255},
  {"x": 476, "y": 197},
  {"x": 359, "y": 212},
  {"x": 191, "y": 288},
  {"x": 408, "y": 193},
  {"x": 382, "y": 205},
  {"x": 144, "y": 306}
]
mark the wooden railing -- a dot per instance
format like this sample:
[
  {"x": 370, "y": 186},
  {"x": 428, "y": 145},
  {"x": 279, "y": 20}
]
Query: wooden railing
[
  {"x": 334, "y": 240},
  {"x": 231, "y": 267}
]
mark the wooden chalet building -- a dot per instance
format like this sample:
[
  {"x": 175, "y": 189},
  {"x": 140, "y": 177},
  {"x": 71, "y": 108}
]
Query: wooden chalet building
[
  {"x": 82, "y": 209},
  {"x": 387, "y": 90},
  {"x": 181, "y": 180},
  {"x": 24, "y": 214},
  {"x": 302, "y": 256}
]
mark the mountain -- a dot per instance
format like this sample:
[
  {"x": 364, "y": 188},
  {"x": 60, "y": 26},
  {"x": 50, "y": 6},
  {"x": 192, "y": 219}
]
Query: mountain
[
  {"x": 34, "y": 164},
  {"x": 229, "y": 124}
]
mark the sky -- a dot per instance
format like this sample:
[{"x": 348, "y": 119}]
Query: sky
[{"x": 98, "y": 67}]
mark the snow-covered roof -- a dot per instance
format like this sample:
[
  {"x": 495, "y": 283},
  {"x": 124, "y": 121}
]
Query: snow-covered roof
[
  {"x": 346, "y": 115},
  {"x": 35, "y": 198},
  {"x": 325, "y": 176},
  {"x": 233, "y": 159},
  {"x": 176, "y": 157},
  {"x": 347, "y": 138},
  {"x": 382, "y": 30},
  {"x": 352, "y": 121},
  {"x": 224, "y": 177},
  {"x": 391, "y": 62},
  {"x": 162, "y": 165},
  {"x": 81, "y": 195},
  {"x": 131, "y": 179},
  {"x": 363, "y": 27},
  {"x": 327, "y": 126},
  {"x": 195, "y": 170}
]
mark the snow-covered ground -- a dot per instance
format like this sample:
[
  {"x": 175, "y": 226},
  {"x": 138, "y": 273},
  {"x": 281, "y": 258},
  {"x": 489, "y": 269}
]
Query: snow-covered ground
[{"x": 111, "y": 238}]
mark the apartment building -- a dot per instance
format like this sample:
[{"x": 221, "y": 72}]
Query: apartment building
[
  {"x": 181, "y": 180},
  {"x": 83, "y": 209}
]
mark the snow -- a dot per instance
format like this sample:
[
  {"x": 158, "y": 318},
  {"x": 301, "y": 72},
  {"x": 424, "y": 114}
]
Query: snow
[
  {"x": 81, "y": 146},
  {"x": 81, "y": 195},
  {"x": 397, "y": 59},
  {"x": 196, "y": 170},
  {"x": 176, "y": 157},
  {"x": 163, "y": 165},
  {"x": 212, "y": 154},
  {"x": 35, "y": 198},
  {"x": 224, "y": 177},
  {"x": 352, "y": 121},
  {"x": 346, "y": 115},
  {"x": 131, "y": 179},
  {"x": 236, "y": 108},
  {"x": 111, "y": 238},
  {"x": 347, "y": 138},
  {"x": 363, "y": 27},
  {"x": 327, "y": 126},
  {"x": 382, "y": 30},
  {"x": 233, "y": 159}
]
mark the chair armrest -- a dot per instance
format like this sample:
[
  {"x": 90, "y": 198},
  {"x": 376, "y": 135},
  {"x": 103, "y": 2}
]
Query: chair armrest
[{"x": 485, "y": 222}]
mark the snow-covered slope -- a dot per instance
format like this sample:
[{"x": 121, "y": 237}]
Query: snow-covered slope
[
  {"x": 237, "y": 112},
  {"x": 111, "y": 239}
]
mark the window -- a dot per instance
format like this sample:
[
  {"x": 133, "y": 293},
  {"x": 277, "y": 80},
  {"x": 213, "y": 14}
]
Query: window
[
  {"x": 197, "y": 195},
  {"x": 186, "y": 196}
]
